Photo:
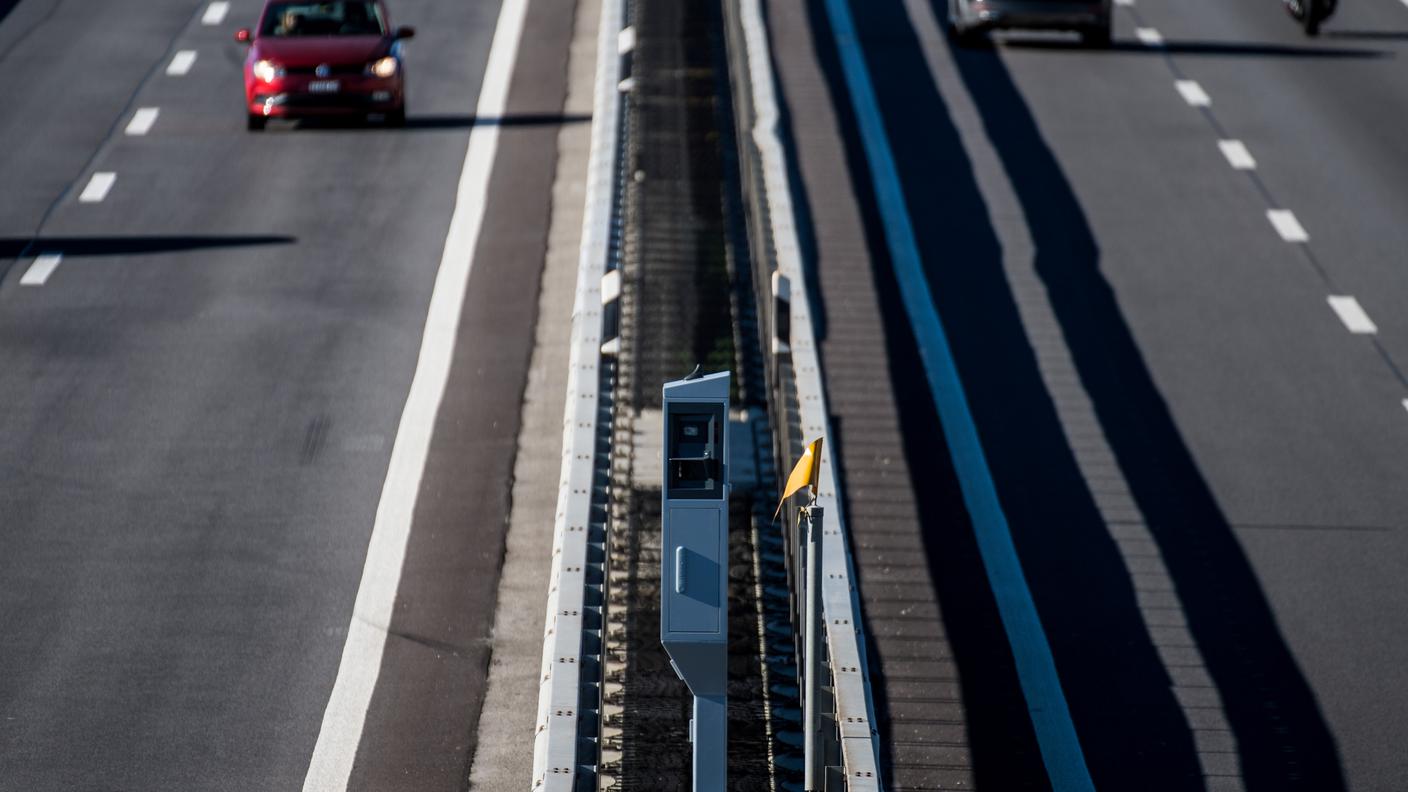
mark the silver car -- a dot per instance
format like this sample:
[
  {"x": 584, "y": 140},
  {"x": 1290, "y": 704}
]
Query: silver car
[{"x": 968, "y": 19}]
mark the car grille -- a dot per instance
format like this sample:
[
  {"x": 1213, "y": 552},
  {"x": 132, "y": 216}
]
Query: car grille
[{"x": 356, "y": 68}]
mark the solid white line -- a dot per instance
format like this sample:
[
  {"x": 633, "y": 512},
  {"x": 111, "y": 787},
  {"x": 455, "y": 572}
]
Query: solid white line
[
  {"x": 1149, "y": 37},
  {"x": 142, "y": 121},
  {"x": 215, "y": 13},
  {"x": 346, "y": 713},
  {"x": 181, "y": 63},
  {"x": 1237, "y": 154},
  {"x": 98, "y": 187},
  {"x": 1193, "y": 93},
  {"x": 1353, "y": 315},
  {"x": 43, "y": 266},
  {"x": 1287, "y": 225}
]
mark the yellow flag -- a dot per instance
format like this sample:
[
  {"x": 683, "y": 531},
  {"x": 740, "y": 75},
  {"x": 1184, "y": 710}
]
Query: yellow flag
[{"x": 804, "y": 474}]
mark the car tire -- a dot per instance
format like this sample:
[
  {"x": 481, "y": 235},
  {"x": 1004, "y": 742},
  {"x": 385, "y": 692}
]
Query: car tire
[
  {"x": 1311, "y": 17},
  {"x": 966, "y": 38},
  {"x": 396, "y": 118},
  {"x": 255, "y": 123},
  {"x": 1097, "y": 37}
]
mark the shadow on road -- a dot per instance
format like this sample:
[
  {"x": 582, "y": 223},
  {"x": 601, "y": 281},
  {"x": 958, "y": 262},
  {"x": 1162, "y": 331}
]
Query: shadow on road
[
  {"x": 1217, "y": 48},
  {"x": 1367, "y": 35},
  {"x": 1283, "y": 741},
  {"x": 1133, "y": 731},
  {"x": 423, "y": 122},
  {"x": 14, "y": 247}
]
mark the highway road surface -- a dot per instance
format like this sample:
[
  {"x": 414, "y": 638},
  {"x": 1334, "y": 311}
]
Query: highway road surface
[
  {"x": 1170, "y": 278},
  {"x": 208, "y": 340}
]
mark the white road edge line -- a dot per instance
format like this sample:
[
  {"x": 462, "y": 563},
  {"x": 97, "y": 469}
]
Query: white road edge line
[
  {"x": 1193, "y": 93},
  {"x": 215, "y": 13},
  {"x": 346, "y": 713},
  {"x": 1237, "y": 154},
  {"x": 142, "y": 121},
  {"x": 181, "y": 63},
  {"x": 1286, "y": 224},
  {"x": 1149, "y": 37},
  {"x": 1353, "y": 315},
  {"x": 43, "y": 266},
  {"x": 98, "y": 187}
]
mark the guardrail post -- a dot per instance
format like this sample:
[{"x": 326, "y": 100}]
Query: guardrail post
[{"x": 814, "y": 757}]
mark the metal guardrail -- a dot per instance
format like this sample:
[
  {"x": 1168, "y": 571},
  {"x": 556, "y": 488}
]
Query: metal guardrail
[
  {"x": 566, "y": 747},
  {"x": 798, "y": 397}
]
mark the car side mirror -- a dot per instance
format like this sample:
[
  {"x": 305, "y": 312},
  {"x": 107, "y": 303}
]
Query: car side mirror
[
  {"x": 242, "y": 35},
  {"x": 405, "y": 32}
]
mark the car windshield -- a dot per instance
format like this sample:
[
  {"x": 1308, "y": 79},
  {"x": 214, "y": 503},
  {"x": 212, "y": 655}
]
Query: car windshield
[{"x": 338, "y": 18}]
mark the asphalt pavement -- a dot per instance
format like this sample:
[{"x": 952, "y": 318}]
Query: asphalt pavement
[
  {"x": 202, "y": 381},
  {"x": 1197, "y": 450}
]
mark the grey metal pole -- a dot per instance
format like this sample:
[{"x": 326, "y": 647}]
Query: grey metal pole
[{"x": 815, "y": 773}]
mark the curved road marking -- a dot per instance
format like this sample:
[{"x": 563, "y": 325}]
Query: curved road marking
[{"x": 346, "y": 714}]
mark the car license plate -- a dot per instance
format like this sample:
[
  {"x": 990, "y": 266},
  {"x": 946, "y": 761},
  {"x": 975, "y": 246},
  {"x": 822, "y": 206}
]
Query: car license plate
[{"x": 323, "y": 86}]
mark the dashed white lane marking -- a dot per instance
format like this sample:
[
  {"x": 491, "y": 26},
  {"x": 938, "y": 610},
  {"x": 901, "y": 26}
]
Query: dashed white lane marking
[
  {"x": 357, "y": 672},
  {"x": 1405, "y": 401},
  {"x": 181, "y": 63},
  {"x": 1149, "y": 37},
  {"x": 1237, "y": 155},
  {"x": 1353, "y": 315},
  {"x": 1287, "y": 225},
  {"x": 1128, "y": 3},
  {"x": 98, "y": 187},
  {"x": 43, "y": 266},
  {"x": 215, "y": 13},
  {"x": 1193, "y": 93},
  {"x": 142, "y": 121}
]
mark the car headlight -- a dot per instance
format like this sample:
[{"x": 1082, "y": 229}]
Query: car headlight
[
  {"x": 383, "y": 67},
  {"x": 267, "y": 70}
]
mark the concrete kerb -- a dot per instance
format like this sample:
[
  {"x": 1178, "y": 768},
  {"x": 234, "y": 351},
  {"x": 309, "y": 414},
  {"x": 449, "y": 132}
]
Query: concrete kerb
[{"x": 555, "y": 744}]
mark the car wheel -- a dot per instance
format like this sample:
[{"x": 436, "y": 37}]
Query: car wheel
[
  {"x": 1311, "y": 17},
  {"x": 965, "y": 37},
  {"x": 255, "y": 123},
  {"x": 1097, "y": 37}
]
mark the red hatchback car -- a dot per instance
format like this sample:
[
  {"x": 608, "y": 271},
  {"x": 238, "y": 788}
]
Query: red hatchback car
[{"x": 324, "y": 58}]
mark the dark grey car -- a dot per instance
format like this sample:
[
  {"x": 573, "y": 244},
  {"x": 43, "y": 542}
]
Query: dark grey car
[{"x": 1091, "y": 18}]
